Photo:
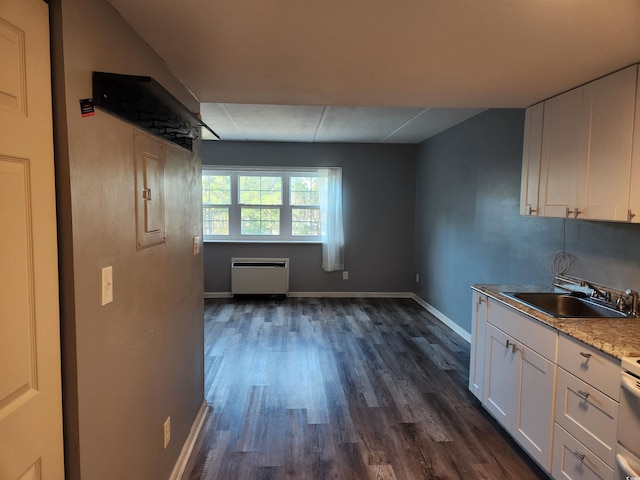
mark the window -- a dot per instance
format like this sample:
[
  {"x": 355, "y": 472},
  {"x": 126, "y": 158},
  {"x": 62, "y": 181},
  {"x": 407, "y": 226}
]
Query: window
[{"x": 261, "y": 205}]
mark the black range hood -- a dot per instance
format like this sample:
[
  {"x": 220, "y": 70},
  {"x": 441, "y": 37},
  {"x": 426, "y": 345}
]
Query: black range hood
[{"x": 144, "y": 102}]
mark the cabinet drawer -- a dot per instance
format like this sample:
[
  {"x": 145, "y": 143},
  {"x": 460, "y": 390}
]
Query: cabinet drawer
[
  {"x": 537, "y": 336},
  {"x": 571, "y": 459},
  {"x": 594, "y": 367},
  {"x": 587, "y": 414}
]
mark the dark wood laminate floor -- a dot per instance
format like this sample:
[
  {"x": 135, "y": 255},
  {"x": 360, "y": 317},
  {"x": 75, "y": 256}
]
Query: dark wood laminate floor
[{"x": 342, "y": 389}]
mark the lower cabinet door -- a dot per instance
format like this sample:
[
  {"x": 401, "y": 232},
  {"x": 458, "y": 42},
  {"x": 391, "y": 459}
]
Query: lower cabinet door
[
  {"x": 572, "y": 460},
  {"x": 500, "y": 376},
  {"x": 534, "y": 419}
]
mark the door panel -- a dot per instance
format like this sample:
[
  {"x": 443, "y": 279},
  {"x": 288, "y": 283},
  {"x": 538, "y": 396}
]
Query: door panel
[{"x": 30, "y": 394}]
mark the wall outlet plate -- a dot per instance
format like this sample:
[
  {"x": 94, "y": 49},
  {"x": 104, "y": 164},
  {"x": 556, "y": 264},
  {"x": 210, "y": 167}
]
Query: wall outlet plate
[
  {"x": 166, "y": 431},
  {"x": 107, "y": 285},
  {"x": 196, "y": 245}
]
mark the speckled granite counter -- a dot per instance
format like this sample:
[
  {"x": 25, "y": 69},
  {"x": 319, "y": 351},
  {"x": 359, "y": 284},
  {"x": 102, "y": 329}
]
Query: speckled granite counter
[{"x": 618, "y": 337}]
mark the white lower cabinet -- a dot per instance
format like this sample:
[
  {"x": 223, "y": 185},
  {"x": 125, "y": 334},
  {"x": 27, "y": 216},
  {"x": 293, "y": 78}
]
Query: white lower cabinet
[
  {"x": 556, "y": 396},
  {"x": 572, "y": 460},
  {"x": 518, "y": 387}
]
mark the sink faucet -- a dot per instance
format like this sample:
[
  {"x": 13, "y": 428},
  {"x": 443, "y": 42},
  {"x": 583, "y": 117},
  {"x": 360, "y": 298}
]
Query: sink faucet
[
  {"x": 597, "y": 293},
  {"x": 634, "y": 301},
  {"x": 628, "y": 302}
]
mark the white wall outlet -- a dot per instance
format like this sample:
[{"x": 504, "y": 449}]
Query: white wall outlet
[
  {"x": 345, "y": 275},
  {"x": 417, "y": 278},
  {"x": 107, "y": 285},
  {"x": 166, "y": 430}
]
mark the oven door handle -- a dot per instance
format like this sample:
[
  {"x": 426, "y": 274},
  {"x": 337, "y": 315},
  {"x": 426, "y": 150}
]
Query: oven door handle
[
  {"x": 632, "y": 386},
  {"x": 624, "y": 465}
]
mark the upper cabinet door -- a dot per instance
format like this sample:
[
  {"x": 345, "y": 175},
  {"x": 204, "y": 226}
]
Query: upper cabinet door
[
  {"x": 562, "y": 170},
  {"x": 634, "y": 193},
  {"x": 531, "y": 154},
  {"x": 609, "y": 105}
]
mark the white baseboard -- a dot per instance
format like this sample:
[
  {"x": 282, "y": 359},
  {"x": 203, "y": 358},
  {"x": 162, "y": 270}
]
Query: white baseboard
[
  {"x": 443, "y": 318},
  {"x": 218, "y": 295},
  {"x": 350, "y": 294},
  {"x": 187, "y": 448},
  {"x": 326, "y": 294}
]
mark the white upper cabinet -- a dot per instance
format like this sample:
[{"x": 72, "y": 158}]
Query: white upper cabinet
[
  {"x": 586, "y": 161},
  {"x": 531, "y": 152},
  {"x": 564, "y": 146},
  {"x": 634, "y": 194},
  {"x": 609, "y": 105}
]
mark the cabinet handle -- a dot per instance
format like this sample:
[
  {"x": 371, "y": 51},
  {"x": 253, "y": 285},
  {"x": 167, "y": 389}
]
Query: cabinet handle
[
  {"x": 585, "y": 355},
  {"x": 514, "y": 349},
  {"x": 481, "y": 300},
  {"x": 630, "y": 215},
  {"x": 579, "y": 455},
  {"x": 531, "y": 210},
  {"x": 575, "y": 212},
  {"x": 584, "y": 394}
]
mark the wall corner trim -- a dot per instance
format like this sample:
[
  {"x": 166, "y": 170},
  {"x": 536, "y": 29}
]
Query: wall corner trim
[
  {"x": 187, "y": 448},
  {"x": 442, "y": 317}
]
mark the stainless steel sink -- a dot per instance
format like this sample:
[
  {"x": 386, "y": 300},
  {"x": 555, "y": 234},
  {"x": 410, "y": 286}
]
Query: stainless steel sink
[{"x": 564, "y": 305}]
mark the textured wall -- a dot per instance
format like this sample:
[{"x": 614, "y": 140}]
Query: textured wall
[
  {"x": 378, "y": 191},
  {"x": 134, "y": 362},
  {"x": 468, "y": 227}
]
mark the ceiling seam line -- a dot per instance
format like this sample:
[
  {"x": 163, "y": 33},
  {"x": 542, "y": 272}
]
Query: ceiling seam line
[
  {"x": 405, "y": 124},
  {"x": 322, "y": 115},
  {"x": 233, "y": 119}
]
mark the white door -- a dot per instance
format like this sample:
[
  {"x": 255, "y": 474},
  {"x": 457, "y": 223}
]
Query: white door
[{"x": 31, "y": 444}]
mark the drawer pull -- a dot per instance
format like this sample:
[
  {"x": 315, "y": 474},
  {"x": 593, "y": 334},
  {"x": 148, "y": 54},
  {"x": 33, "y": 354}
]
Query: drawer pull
[
  {"x": 579, "y": 455},
  {"x": 585, "y": 355},
  {"x": 583, "y": 393}
]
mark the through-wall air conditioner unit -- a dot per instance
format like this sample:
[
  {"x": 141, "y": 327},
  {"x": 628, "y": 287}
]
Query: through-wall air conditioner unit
[{"x": 259, "y": 276}]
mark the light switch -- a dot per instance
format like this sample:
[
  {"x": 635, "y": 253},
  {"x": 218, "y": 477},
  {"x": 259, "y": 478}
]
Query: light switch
[
  {"x": 107, "y": 285},
  {"x": 196, "y": 245}
]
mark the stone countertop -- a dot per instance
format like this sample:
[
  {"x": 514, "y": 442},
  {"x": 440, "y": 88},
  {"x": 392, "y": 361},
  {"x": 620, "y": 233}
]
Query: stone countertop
[{"x": 618, "y": 337}]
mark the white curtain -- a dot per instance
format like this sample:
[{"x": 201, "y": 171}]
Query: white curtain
[{"x": 331, "y": 219}]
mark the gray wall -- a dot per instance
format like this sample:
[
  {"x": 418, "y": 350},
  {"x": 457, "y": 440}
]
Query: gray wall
[
  {"x": 378, "y": 195},
  {"x": 468, "y": 227},
  {"x": 132, "y": 363}
]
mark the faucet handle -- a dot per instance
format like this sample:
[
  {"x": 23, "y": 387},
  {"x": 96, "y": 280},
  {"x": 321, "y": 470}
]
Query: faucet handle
[{"x": 634, "y": 301}]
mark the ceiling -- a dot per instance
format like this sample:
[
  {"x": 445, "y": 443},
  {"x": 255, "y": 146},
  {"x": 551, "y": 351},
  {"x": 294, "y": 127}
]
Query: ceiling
[{"x": 378, "y": 70}]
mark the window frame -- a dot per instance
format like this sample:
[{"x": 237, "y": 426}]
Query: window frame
[{"x": 286, "y": 235}]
